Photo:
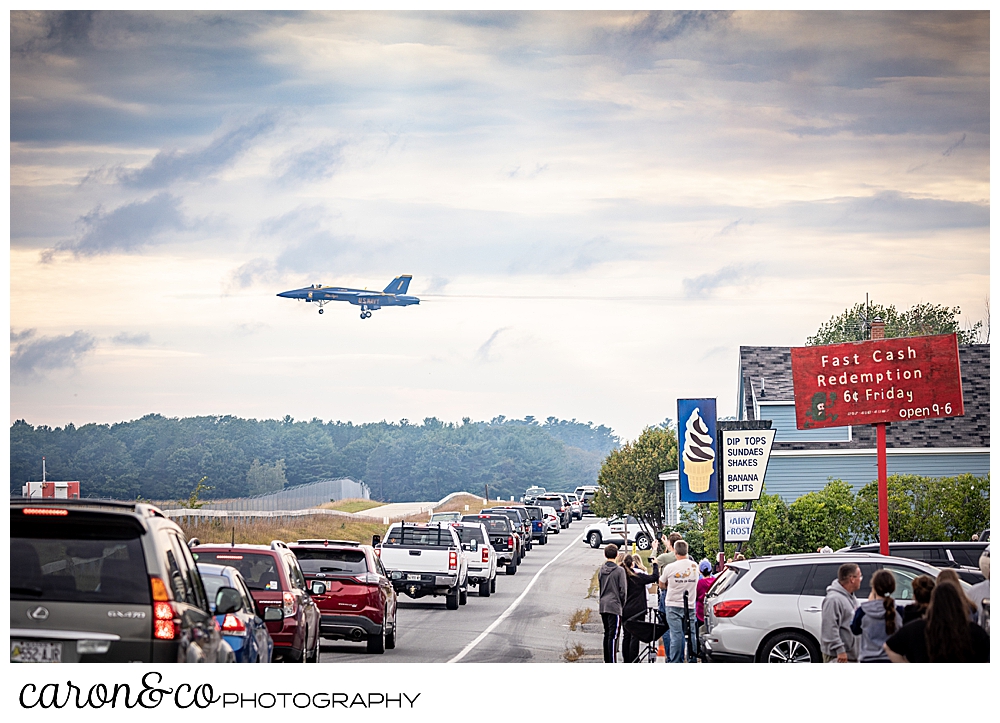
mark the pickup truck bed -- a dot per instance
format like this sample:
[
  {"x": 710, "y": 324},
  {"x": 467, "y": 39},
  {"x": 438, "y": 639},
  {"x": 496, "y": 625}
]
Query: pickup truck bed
[{"x": 425, "y": 560}]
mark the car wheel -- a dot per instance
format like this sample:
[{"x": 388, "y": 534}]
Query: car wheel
[
  {"x": 451, "y": 599},
  {"x": 376, "y": 643},
  {"x": 544, "y": 540},
  {"x": 789, "y": 647},
  {"x": 493, "y": 585},
  {"x": 594, "y": 538},
  {"x": 390, "y": 637},
  {"x": 484, "y": 589},
  {"x": 463, "y": 596},
  {"x": 643, "y": 542},
  {"x": 511, "y": 568}
]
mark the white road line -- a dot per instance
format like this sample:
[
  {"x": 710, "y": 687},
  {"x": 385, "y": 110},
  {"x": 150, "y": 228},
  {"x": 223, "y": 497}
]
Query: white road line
[{"x": 503, "y": 616}]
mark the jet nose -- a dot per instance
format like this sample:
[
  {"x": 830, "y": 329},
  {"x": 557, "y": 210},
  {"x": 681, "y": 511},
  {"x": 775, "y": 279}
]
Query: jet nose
[{"x": 287, "y": 294}]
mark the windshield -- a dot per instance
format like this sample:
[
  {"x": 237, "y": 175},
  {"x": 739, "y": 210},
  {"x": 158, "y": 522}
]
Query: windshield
[
  {"x": 257, "y": 568},
  {"x": 413, "y": 536},
  {"x": 494, "y": 525},
  {"x": 534, "y": 513},
  {"x": 468, "y": 534},
  {"x": 313, "y": 561}
]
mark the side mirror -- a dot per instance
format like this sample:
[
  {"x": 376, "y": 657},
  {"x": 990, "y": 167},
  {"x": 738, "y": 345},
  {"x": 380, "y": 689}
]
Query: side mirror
[
  {"x": 228, "y": 600},
  {"x": 272, "y": 613},
  {"x": 376, "y": 540},
  {"x": 317, "y": 587}
]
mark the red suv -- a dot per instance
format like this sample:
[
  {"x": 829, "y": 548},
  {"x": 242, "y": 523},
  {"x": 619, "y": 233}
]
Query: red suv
[
  {"x": 275, "y": 580},
  {"x": 360, "y": 603}
]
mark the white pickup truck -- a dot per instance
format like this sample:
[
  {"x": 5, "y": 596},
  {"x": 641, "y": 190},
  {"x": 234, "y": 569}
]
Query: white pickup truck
[
  {"x": 480, "y": 555},
  {"x": 426, "y": 560}
]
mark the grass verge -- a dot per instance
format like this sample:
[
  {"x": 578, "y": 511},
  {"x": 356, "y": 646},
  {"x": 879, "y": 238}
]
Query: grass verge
[
  {"x": 351, "y": 505},
  {"x": 262, "y": 531},
  {"x": 580, "y": 617}
]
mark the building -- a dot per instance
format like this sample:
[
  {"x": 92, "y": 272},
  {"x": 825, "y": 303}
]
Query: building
[
  {"x": 56, "y": 490},
  {"x": 805, "y": 460}
]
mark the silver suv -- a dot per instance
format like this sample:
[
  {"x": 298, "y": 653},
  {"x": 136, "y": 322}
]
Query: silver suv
[{"x": 768, "y": 610}]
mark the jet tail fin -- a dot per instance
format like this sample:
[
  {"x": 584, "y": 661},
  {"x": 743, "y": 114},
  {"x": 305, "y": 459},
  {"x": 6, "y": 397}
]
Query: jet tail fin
[{"x": 398, "y": 285}]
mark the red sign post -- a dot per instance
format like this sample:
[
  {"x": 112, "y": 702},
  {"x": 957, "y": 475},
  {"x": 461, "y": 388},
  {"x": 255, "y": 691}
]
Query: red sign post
[{"x": 877, "y": 382}]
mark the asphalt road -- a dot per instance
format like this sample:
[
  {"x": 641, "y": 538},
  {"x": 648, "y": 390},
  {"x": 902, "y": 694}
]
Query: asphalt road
[{"x": 535, "y": 630}]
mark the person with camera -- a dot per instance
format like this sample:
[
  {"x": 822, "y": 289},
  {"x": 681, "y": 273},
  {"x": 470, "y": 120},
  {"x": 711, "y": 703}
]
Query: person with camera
[{"x": 635, "y": 601}]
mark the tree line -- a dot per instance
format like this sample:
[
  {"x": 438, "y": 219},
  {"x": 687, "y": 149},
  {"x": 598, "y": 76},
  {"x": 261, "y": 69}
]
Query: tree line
[{"x": 163, "y": 458}]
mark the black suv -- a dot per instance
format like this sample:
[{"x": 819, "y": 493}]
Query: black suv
[
  {"x": 102, "y": 581},
  {"x": 962, "y": 556}
]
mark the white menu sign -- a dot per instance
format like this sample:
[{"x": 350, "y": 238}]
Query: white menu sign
[
  {"x": 744, "y": 461},
  {"x": 739, "y": 525}
]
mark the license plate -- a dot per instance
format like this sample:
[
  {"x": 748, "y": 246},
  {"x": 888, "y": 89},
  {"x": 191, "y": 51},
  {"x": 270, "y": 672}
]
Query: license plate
[
  {"x": 414, "y": 577},
  {"x": 31, "y": 652}
]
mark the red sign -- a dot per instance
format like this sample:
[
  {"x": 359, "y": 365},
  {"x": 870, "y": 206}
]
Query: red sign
[{"x": 888, "y": 380}]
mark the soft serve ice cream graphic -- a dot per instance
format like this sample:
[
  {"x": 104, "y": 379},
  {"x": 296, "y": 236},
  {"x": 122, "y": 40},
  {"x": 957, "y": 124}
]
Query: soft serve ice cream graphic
[{"x": 699, "y": 457}]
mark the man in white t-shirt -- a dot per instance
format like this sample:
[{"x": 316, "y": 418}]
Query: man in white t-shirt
[{"x": 677, "y": 578}]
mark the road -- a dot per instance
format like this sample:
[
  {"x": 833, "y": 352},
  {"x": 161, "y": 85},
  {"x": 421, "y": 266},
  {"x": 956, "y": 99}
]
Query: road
[{"x": 535, "y": 630}]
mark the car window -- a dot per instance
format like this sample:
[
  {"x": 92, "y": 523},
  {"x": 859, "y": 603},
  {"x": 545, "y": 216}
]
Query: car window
[
  {"x": 468, "y": 534},
  {"x": 194, "y": 589},
  {"x": 295, "y": 576},
  {"x": 825, "y": 573},
  {"x": 257, "y": 568},
  {"x": 494, "y": 525},
  {"x": 726, "y": 579},
  {"x": 70, "y": 562},
  {"x": 313, "y": 560},
  {"x": 414, "y": 536},
  {"x": 212, "y": 585},
  {"x": 781, "y": 580},
  {"x": 904, "y": 580},
  {"x": 966, "y": 556}
]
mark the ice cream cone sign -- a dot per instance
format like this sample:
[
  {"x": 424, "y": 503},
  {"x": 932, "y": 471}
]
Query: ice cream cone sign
[{"x": 696, "y": 419}]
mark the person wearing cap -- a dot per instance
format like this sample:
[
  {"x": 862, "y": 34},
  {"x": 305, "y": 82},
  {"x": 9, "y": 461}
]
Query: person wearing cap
[{"x": 704, "y": 583}]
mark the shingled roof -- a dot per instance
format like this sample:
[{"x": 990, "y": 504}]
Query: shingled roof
[{"x": 767, "y": 371}]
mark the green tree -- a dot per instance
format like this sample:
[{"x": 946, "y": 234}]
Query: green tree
[
  {"x": 966, "y": 503},
  {"x": 629, "y": 478},
  {"x": 821, "y": 518},
  {"x": 265, "y": 478},
  {"x": 920, "y": 320},
  {"x": 915, "y": 510}
]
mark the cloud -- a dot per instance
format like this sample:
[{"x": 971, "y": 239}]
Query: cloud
[
  {"x": 706, "y": 284},
  {"x": 484, "y": 353},
  {"x": 126, "y": 228},
  {"x": 251, "y": 272},
  {"x": 125, "y": 338},
  {"x": 33, "y": 356},
  {"x": 311, "y": 164},
  {"x": 169, "y": 166}
]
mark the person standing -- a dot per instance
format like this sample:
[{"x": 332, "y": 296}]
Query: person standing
[
  {"x": 706, "y": 581},
  {"x": 677, "y": 578},
  {"x": 613, "y": 590},
  {"x": 663, "y": 559},
  {"x": 943, "y": 635},
  {"x": 876, "y": 619},
  {"x": 836, "y": 639},
  {"x": 635, "y": 601},
  {"x": 923, "y": 586}
]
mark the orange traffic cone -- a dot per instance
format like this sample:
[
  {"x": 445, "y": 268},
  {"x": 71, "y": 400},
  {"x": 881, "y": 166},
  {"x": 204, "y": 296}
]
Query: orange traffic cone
[{"x": 660, "y": 652}]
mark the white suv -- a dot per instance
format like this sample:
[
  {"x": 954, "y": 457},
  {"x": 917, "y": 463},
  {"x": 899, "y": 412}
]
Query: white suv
[
  {"x": 768, "y": 610},
  {"x": 614, "y": 530}
]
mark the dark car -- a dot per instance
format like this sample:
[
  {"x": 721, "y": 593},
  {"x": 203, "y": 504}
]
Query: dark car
[
  {"x": 538, "y": 530},
  {"x": 503, "y": 538},
  {"x": 560, "y": 504},
  {"x": 236, "y": 613},
  {"x": 521, "y": 523},
  {"x": 359, "y": 603},
  {"x": 963, "y": 557},
  {"x": 275, "y": 580},
  {"x": 588, "y": 497},
  {"x": 102, "y": 581}
]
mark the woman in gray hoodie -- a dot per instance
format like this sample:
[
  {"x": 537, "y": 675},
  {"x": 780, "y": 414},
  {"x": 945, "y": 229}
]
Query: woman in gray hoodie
[{"x": 877, "y": 618}]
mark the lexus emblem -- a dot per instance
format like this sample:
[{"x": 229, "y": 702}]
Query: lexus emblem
[{"x": 39, "y": 613}]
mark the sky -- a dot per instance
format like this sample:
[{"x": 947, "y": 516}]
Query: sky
[{"x": 598, "y": 209}]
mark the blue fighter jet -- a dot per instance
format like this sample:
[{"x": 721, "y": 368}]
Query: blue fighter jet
[{"x": 393, "y": 295}]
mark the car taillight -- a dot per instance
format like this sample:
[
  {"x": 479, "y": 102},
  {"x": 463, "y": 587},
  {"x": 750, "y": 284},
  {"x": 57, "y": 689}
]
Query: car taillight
[
  {"x": 233, "y": 624},
  {"x": 44, "y": 512},
  {"x": 165, "y": 618},
  {"x": 369, "y": 578},
  {"x": 378, "y": 552},
  {"x": 728, "y": 608},
  {"x": 452, "y": 560},
  {"x": 486, "y": 554},
  {"x": 288, "y": 604},
  {"x": 510, "y": 542}
]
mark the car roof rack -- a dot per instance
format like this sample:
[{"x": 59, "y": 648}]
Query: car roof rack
[
  {"x": 278, "y": 544},
  {"x": 353, "y": 543}
]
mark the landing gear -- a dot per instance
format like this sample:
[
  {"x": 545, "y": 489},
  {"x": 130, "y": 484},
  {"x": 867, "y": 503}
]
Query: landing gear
[
  {"x": 321, "y": 311},
  {"x": 365, "y": 313}
]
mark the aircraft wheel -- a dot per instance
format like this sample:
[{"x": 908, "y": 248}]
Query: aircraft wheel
[
  {"x": 321, "y": 311},
  {"x": 362, "y": 315}
]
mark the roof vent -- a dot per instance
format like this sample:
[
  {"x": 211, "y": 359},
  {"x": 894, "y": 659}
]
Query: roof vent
[{"x": 763, "y": 391}]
